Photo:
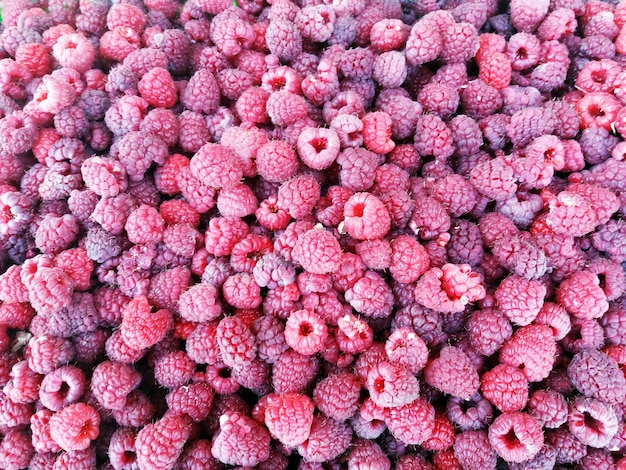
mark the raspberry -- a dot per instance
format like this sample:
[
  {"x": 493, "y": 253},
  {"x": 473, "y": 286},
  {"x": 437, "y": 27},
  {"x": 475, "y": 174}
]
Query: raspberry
[
  {"x": 412, "y": 423},
  {"x": 452, "y": 373},
  {"x": 598, "y": 109},
  {"x": 533, "y": 349},
  {"x": 328, "y": 439},
  {"x": 409, "y": 259},
  {"x": 526, "y": 17},
  {"x": 316, "y": 22},
  {"x": 439, "y": 98},
  {"x": 455, "y": 193},
  {"x": 515, "y": 436},
  {"x": 391, "y": 385},
  {"x": 159, "y": 444},
  {"x": 318, "y": 251},
  {"x": 284, "y": 39},
  {"x": 294, "y": 372},
  {"x": 112, "y": 382},
  {"x": 366, "y": 454},
  {"x": 318, "y": 148},
  {"x": 241, "y": 291},
  {"x": 473, "y": 450},
  {"x": 582, "y": 296},
  {"x": 592, "y": 422},
  {"x": 240, "y": 440},
  {"x": 19, "y": 132},
  {"x": 488, "y": 330},
  {"x": 141, "y": 328},
  {"x": 276, "y": 161},
  {"x": 365, "y": 217},
  {"x": 358, "y": 168},
  {"x": 236, "y": 341},
  {"x": 480, "y": 99},
  {"x": 75, "y": 426},
  {"x": 305, "y": 332},
  {"x": 433, "y": 137},
  {"x": 549, "y": 407},
  {"x": 74, "y": 51},
  {"x": 47, "y": 353},
  {"x": 506, "y": 387},
  {"x": 423, "y": 44},
  {"x": 24, "y": 384},
  {"x": 596, "y": 375},
  {"x": 216, "y": 166},
  {"x": 289, "y": 417},
  {"x": 376, "y": 254},
  {"x": 520, "y": 299},
  {"x": 138, "y": 150},
  {"x": 299, "y": 195},
  {"x": 449, "y": 289},
  {"x": 337, "y": 395},
  {"x": 370, "y": 296},
  {"x": 157, "y": 88},
  {"x": 285, "y": 108},
  {"x": 201, "y": 93}
]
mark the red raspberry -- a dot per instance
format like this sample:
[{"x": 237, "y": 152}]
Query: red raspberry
[
  {"x": 473, "y": 450},
  {"x": 216, "y": 166},
  {"x": 532, "y": 348},
  {"x": 328, "y": 440},
  {"x": 598, "y": 109},
  {"x": 270, "y": 338},
  {"x": 294, "y": 372},
  {"x": 450, "y": 288},
  {"x": 24, "y": 384},
  {"x": 305, "y": 332},
  {"x": 391, "y": 385},
  {"x": 111, "y": 383},
  {"x": 597, "y": 375},
  {"x": 126, "y": 15},
  {"x": 452, "y": 373},
  {"x": 74, "y": 51},
  {"x": 423, "y": 44},
  {"x": 592, "y": 422},
  {"x": 439, "y": 99},
  {"x": 506, "y": 387},
  {"x": 104, "y": 176},
  {"x": 443, "y": 434},
  {"x": 376, "y": 254},
  {"x": 199, "y": 303},
  {"x": 365, "y": 217},
  {"x": 236, "y": 341},
  {"x": 157, "y": 88},
  {"x": 141, "y": 328},
  {"x": 40, "y": 428},
  {"x": 289, "y": 418},
  {"x": 409, "y": 259},
  {"x": 299, "y": 195},
  {"x": 12, "y": 289},
  {"x": 276, "y": 161},
  {"x": 480, "y": 99},
  {"x": 527, "y": 17},
  {"x": 433, "y": 137},
  {"x": 318, "y": 251},
  {"x": 318, "y": 147},
  {"x": 159, "y": 444},
  {"x": 515, "y": 436},
  {"x": 137, "y": 412},
  {"x": 35, "y": 57},
  {"x": 337, "y": 395},
  {"x": 118, "y": 43},
  {"x": 358, "y": 168},
  {"x": 241, "y": 291},
  {"x": 46, "y": 353},
  {"x": 201, "y": 93},
  {"x": 389, "y": 34},
  {"x": 412, "y": 423},
  {"x": 582, "y": 296},
  {"x": 121, "y": 451},
  {"x": 173, "y": 369},
  {"x": 371, "y": 296},
  {"x": 549, "y": 407},
  {"x": 488, "y": 330},
  {"x": 240, "y": 440},
  {"x": 223, "y": 234},
  {"x": 366, "y": 453},
  {"x": 75, "y": 426},
  {"x": 377, "y": 132},
  {"x": 495, "y": 70},
  {"x": 78, "y": 459},
  {"x": 520, "y": 299}
]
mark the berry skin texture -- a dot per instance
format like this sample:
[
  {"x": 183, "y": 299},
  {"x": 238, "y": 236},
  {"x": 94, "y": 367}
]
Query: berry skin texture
[
  {"x": 365, "y": 217},
  {"x": 515, "y": 436},
  {"x": 409, "y": 259},
  {"x": 157, "y": 88},
  {"x": 318, "y": 148},
  {"x": 111, "y": 383},
  {"x": 240, "y": 441},
  {"x": 406, "y": 348},
  {"x": 473, "y": 450},
  {"x": 159, "y": 444},
  {"x": 305, "y": 332},
  {"x": 216, "y": 166},
  {"x": 449, "y": 288},
  {"x": 318, "y": 251},
  {"x": 391, "y": 385},
  {"x": 75, "y": 426},
  {"x": 337, "y": 396},
  {"x": 289, "y": 417},
  {"x": 453, "y": 373}
]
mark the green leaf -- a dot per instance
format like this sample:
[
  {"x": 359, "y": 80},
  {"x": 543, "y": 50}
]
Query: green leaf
[{"x": 235, "y": 3}]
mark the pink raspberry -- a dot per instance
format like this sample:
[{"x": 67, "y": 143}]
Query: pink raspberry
[
  {"x": 409, "y": 259},
  {"x": 366, "y": 453},
  {"x": 173, "y": 369},
  {"x": 50, "y": 291},
  {"x": 515, "y": 436},
  {"x": 240, "y": 440},
  {"x": 223, "y": 233},
  {"x": 157, "y": 88},
  {"x": 318, "y": 147},
  {"x": 440, "y": 99},
  {"x": 453, "y": 373},
  {"x": 104, "y": 176},
  {"x": 455, "y": 193},
  {"x": 358, "y": 168},
  {"x": 390, "y": 69},
  {"x": 404, "y": 114},
  {"x": 376, "y": 254},
  {"x": 46, "y": 353},
  {"x": 328, "y": 439},
  {"x": 433, "y": 137},
  {"x": 74, "y": 51},
  {"x": 391, "y": 385},
  {"x": 112, "y": 382},
  {"x": 159, "y": 444},
  {"x": 520, "y": 299},
  {"x": 40, "y": 428},
  {"x": 371, "y": 296},
  {"x": 318, "y": 251},
  {"x": 201, "y": 93},
  {"x": 412, "y": 423},
  {"x": 23, "y": 387},
  {"x": 389, "y": 34},
  {"x": 532, "y": 348},
  {"x": 144, "y": 225},
  {"x": 18, "y": 131},
  {"x": 166, "y": 176},
  {"x": 216, "y": 166},
  {"x": 289, "y": 417},
  {"x": 276, "y": 161},
  {"x": 459, "y": 43},
  {"x": 549, "y": 407},
  {"x": 299, "y": 195},
  {"x": 337, "y": 395},
  {"x": 285, "y": 108},
  {"x": 405, "y": 347},
  {"x": 443, "y": 434},
  {"x": 377, "y": 132},
  {"x": 118, "y": 43},
  {"x": 284, "y": 39},
  {"x": 597, "y": 375},
  {"x": 506, "y": 387},
  {"x": 199, "y": 303},
  {"x": 142, "y": 328},
  {"x": 305, "y": 332},
  {"x": 473, "y": 450},
  {"x": 527, "y": 17},
  {"x": 138, "y": 150},
  {"x": 353, "y": 334},
  {"x": 365, "y": 217},
  {"x": 236, "y": 341},
  {"x": 75, "y": 426},
  {"x": 449, "y": 288},
  {"x": 598, "y": 109},
  {"x": 316, "y": 22},
  {"x": 488, "y": 330},
  {"x": 480, "y": 99},
  {"x": 423, "y": 44},
  {"x": 247, "y": 251},
  {"x": 237, "y": 201},
  {"x": 241, "y": 291},
  {"x": 294, "y": 372},
  {"x": 592, "y": 422},
  {"x": 582, "y": 295}
]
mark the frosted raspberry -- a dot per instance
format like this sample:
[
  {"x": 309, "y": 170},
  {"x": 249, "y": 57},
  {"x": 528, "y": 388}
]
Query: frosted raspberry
[
  {"x": 480, "y": 99},
  {"x": 440, "y": 99},
  {"x": 318, "y": 251},
  {"x": 317, "y": 147},
  {"x": 520, "y": 299},
  {"x": 450, "y": 288},
  {"x": 582, "y": 295},
  {"x": 527, "y": 17},
  {"x": 377, "y": 132},
  {"x": 371, "y": 296},
  {"x": 592, "y": 422},
  {"x": 104, "y": 176},
  {"x": 75, "y": 426},
  {"x": 515, "y": 436},
  {"x": 412, "y": 423},
  {"x": 433, "y": 137},
  {"x": 159, "y": 444},
  {"x": 144, "y": 225},
  {"x": 453, "y": 373},
  {"x": 19, "y": 132},
  {"x": 337, "y": 395},
  {"x": 358, "y": 168},
  {"x": 118, "y": 43},
  {"x": 289, "y": 418},
  {"x": 50, "y": 291},
  {"x": 391, "y": 385},
  {"x": 409, "y": 259},
  {"x": 299, "y": 195},
  {"x": 201, "y": 93},
  {"x": 366, "y": 453},
  {"x": 596, "y": 375},
  {"x": 62, "y": 387},
  {"x": 376, "y": 254},
  {"x": 240, "y": 440},
  {"x": 47, "y": 353},
  {"x": 40, "y": 428},
  {"x": 316, "y": 22},
  {"x": 157, "y": 88},
  {"x": 233, "y": 82},
  {"x": 14, "y": 414},
  {"x": 488, "y": 330},
  {"x": 126, "y": 114},
  {"x": 389, "y": 34},
  {"x": 294, "y": 372},
  {"x": 216, "y": 166},
  {"x": 549, "y": 407},
  {"x": 598, "y": 109},
  {"x": 328, "y": 439},
  {"x": 74, "y": 51},
  {"x": 353, "y": 335},
  {"x": 459, "y": 43},
  {"x": 365, "y": 217},
  {"x": 305, "y": 332},
  {"x": 141, "y": 328},
  {"x": 455, "y": 193},
  {"x": 473, "y": 450},
  {"x": 495, "y": 70},
  {"x": 137, "y": 151},
  {"x": 112, "y": 382},
  {"x": 423, "y": 44},
  {"x": 531, "y": 348},
  {"x": 443, "y": 434},
  {"x": 506, "y": 387},
  {"x": 231, "y": 34},
  {"x": 223, "y": 234},
  {"x": 24, "y": 384},
  {"x": 236, "y": 341},
  {"x": 137, "y": 412},
  {"x": 284, "y": 39}
]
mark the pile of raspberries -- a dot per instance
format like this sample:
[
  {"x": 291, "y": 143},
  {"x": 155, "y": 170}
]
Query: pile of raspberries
[{"x": 312, "y": 235}]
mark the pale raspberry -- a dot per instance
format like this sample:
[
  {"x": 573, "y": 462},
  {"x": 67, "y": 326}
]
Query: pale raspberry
[
  {"x": 201, "y": 93},
  {"x": 480, "y": 99},
  {"x": 104, "y": 176},
  {"x": 376, "y": 254},
  {"x": 353, "y": 334},
  {"x": 365, "y": 217},
  {"x": 327, "y": 440},
  {"x": 526, "y": 17},
  {"x": 412, "y": 423},
  {"x": 506, "y": 387},
  {"x": 240, "y": 440},
  {"x": 157, "y": 88},
  {"x": 473, "y": 450},
  {"x": 358, "y": 168},
  {"x": 284, "y": 39},
  {"x": 592, "y": 422},
  {"x": 409, "y": 259},
  {"x": 365, "y": 454},
  {"x": 488, "y": 330},
  {"x": 371, "y": 296},
  {"x": 597, "y": 375},
  {"x": 391, "y": 385},
  {"x": 318, "y": 251},
  {"x": 159, "y": 444},
  {"x": 138, "y": 150},
  {"x": 453, "y": 373},
  {"x": 450, "y": 288},
  {"x": 289, "y": 418},
  {"x": 74, "y": 51},
  {"x": 533, "y": 349},
  {"x": 515, "y": 436},
  {"x": 142, "y": 328},
  {"x": 423, "y": 44},
  {"x": 216, "y": 166},
  {"x": 337, "y": 395},
  {"x": 433, "y": 137},
  {"x": 318, "y": 147},
  {"x": 299, "y": 195},
  {"x": 377, "y": 132},
  {"x": 520, "y": 299}
]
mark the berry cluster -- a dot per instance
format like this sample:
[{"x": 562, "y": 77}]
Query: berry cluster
[{"x": 305, "y": 234}]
